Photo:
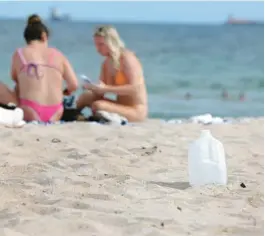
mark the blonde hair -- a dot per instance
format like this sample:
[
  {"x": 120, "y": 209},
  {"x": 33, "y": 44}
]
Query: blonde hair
[{"x": 114, "y": 42}]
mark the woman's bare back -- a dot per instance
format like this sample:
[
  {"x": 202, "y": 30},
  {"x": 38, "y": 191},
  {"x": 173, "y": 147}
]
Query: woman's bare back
[{"x": 39, "y": 74}]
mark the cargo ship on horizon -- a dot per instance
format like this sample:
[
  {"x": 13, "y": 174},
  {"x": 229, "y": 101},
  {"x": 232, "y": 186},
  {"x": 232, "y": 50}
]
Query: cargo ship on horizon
[
  {"x": 239, "y": 21},
  {"x": 56, "y": 16}
]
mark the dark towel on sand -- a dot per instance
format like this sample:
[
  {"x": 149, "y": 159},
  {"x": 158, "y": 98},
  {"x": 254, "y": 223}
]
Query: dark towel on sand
[
  {"x": 72, "y": 114},
  {"x": 8, "y": 106}
]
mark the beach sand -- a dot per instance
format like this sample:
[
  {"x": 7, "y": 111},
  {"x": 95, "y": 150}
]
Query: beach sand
[{"x": 81, "y": 179}]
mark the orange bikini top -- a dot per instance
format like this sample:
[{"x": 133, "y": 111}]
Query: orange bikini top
[{"x": 120, "y": 78}]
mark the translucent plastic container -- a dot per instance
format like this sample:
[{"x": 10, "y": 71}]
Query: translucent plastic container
[
  {"x": 11, "y": 118},
  {"x": 206, "y": 160}
]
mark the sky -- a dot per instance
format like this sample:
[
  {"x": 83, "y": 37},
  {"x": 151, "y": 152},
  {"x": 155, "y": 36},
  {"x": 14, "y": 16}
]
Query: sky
[{"x": 180, "y": 12}]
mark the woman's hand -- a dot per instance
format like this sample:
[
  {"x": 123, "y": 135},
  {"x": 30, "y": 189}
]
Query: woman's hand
[
  {"x": 96, "y": 88},
  {"x": 66, "y": 92}
]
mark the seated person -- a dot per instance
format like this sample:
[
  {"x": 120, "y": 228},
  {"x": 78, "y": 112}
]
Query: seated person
[
  {"x": 121, "y": 74},
  {"x": 39, "y": 72}
]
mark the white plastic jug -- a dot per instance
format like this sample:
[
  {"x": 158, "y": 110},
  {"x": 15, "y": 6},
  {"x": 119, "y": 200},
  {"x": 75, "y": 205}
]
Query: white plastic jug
[
  {"x": 206, "y": 160},
  {"x": 12, "y": 118}
]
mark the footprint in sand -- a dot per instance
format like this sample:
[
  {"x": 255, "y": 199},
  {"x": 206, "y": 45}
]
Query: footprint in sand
[
  {"x": 79, "y": 166},
  {"x": 18, "y": 143},
  {"x": 44, "y": 210},
  {"x": 45, "y": 201},
  {"x": 106, "y": 176},
  {"x": 68, "y": 150},
  {"x": 82, "y": 183},
  {"x": 102, "y": 139},
  {"x": 8, "y": 219},
  {"x": 43, "y": 180},
  {"x": 103, "y": 197},
  {"x": 99, "y": 152},
  {"x": 56, "y": 164},
  {"x": 80, "y": 205},
  {"x": 74, "y": 153},
  {"x": 5, "y": 214},
  {"x": 143, "y": 151}
]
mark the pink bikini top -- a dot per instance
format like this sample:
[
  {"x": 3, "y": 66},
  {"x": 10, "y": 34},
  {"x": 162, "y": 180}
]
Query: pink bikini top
[{"x": 28, "y": 66}]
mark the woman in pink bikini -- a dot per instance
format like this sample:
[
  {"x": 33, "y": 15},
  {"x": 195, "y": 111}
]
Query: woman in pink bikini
[{"x": 39, "y": 72}]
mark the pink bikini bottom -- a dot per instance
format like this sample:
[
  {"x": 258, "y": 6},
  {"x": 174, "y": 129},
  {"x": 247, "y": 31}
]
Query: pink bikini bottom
[{"x": 44, "y": 112}]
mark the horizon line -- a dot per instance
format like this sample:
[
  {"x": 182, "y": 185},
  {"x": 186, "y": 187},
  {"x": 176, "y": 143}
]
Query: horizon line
[{"x": 76, "y": 20}]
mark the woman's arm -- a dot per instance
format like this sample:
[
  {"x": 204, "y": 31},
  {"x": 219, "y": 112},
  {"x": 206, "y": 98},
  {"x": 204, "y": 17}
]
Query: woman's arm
[
  {"x": 13, "y": 73},
  {"x": 13, "y": 67},
  {"x": 69, "y": 76}
]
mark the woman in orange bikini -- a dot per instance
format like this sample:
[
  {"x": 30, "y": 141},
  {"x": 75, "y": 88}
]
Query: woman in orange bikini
[
  {"x": 121, "y": 74},
  {"x": 39, "y": 72}
]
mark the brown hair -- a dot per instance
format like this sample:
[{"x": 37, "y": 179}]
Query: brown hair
[
  {"x": 34, "y": 19},
  {"x": 35, "y": 28}
]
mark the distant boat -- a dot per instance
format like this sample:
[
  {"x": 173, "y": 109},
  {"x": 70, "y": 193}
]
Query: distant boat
[
  {"x": 237, "y": 21},
  {"x": 56, "y": 16}
]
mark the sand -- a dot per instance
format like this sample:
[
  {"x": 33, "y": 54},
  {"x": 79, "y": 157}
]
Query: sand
[{"x": 83, "y": 179}]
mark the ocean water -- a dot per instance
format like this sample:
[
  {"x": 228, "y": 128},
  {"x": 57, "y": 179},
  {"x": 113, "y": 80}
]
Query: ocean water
[{"x": 200, "y": 60}]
